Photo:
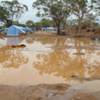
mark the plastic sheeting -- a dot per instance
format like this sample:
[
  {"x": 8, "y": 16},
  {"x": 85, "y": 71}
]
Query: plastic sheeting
[
  {"x": 27, "y": 29},
  {"x": 14, "y": 30}
]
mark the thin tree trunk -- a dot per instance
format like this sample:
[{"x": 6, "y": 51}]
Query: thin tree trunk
[
  {"x": 58, "y": 30},
  {"x": 79, "y": 25}
]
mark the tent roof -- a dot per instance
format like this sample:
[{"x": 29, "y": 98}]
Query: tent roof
[{"x": 18, "y": 27}]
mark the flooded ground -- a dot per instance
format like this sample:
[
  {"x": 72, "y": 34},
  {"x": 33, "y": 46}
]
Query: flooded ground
[{"x": 69, "y": 68}]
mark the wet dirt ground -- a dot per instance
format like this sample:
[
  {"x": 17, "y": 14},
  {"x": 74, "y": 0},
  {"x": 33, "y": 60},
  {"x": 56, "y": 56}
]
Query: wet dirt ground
[
  {"x": 46, "y": 92},
  {"x": 43, "y": 68}
]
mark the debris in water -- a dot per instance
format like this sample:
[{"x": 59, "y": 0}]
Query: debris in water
[
  {"x": 19, "y": 46},
  {"x": 78, "y": 53}
]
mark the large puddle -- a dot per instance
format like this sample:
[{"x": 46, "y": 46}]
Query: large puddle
[{"x": 50, "y": 61}]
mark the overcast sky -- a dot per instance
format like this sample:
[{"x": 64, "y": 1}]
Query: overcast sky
[{"x": 31, "y": 14}]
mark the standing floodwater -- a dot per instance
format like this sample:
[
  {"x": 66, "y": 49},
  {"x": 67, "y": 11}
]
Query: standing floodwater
[{"x": 50, "y": 61}]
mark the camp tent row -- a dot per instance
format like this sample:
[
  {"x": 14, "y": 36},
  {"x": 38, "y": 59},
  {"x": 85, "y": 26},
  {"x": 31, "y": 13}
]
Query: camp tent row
[
  {"x": 50, "y": 29},
  {"x": 34, "y": 29},
  {"x": 16, "y": 30}
]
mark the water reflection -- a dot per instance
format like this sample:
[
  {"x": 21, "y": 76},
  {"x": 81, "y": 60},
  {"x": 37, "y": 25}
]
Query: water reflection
[
  {"x": 12, "y": 40},
  {"x": 48, "y": 60},
  {"x": 10, "y": 58},
  {"x": 63, "y": 63}
]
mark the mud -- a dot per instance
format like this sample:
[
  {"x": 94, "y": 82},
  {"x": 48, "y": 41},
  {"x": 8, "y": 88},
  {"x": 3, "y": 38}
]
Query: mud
[{"x": 45, "y": 92}]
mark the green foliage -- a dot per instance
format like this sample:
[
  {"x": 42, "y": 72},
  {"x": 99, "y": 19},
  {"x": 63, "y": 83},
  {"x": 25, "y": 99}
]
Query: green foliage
[
  {"x": 23, "y": 25},
  {"x": 55, "y": 9},
  {"x": 43, "y": 23},
  {"x": 38, "y": 25},
  {"x": 30, "y": 23},
  {"x": 13, "y": 10},
  {"x": 46, "y": 22},
  {"x": 97, "y": 8},
  {"x": 3, "y": 14},
  {"x": 81, "y": 9}
]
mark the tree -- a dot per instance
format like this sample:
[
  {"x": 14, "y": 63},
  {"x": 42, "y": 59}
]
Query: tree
[
  {"x": 46, "y": 22},
  {"x": 80, "y": 8},
  {"x": 54, "y": 9},
  {"x": 43, "y": 23},
  {"x": 38, "y": 25},
  {"x": 97, "y": 8},
  {"x": 29, "y": 23},
  {"x": 89, "y": 20},
  {"x": 14, "y": 9},
  {"x": 3, "y": 14}
]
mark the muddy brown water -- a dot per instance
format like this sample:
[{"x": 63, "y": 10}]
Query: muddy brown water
[{"x": 50, "y": 61}]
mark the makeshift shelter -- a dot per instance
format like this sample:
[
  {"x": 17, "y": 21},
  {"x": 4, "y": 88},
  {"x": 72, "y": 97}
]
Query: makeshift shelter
[
  {"x": 34, "y": 29},
  {"x": 62, "y": 29},
  {"x": 51, "y": 29},
  {"x": 44, "y": 29},
  {"x": 14, "y": 30},
  {"x": 27, "y": 29},
  {"x": 1, "y": 30}
]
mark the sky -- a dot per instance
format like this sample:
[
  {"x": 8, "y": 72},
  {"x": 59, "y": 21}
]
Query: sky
[{"x": 30, "y": 14}]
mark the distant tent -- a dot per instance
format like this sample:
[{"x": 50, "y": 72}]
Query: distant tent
[
  {"x": 55, "y": 29},
  {"x": 27, "y": 29},
  {"x": 44, "y": 29},
  {"x": 23, "y": 29},
  {"x": 34, "y": 29},
  {"x": 51, "y": 29},
  {"x": 1, "y": 30},
  {"x": 62, "y": 28},
  {"x": 14, "y": 30}
]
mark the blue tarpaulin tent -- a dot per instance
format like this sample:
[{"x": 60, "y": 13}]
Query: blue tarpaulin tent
[
  {"x": 44, "y": 29},
  {"x": 1, "y": 30},
  {"x": 34, "y": 29},
  {"x": 50, "y": 29},
  {"x": 27, "y": 29},
  {"x": 62, "y": 28},
  {"x": 14, "y": 30}
]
